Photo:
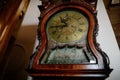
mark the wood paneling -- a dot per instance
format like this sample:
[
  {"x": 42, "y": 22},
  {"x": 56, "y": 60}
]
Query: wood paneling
[{"x": 11, "y": 16}]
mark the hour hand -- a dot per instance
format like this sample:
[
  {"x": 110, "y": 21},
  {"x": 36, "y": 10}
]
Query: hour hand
[
  {"x": 58, "y": 26},
  {"x": 63, "y": 20}
]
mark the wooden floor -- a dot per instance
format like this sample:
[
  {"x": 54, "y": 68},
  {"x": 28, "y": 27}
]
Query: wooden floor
[{"x": 114, "y": 15}]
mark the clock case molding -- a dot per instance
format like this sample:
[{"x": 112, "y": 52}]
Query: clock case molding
[{"x": 99, "y": 69}]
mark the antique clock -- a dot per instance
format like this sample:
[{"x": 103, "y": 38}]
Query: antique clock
[{"x": 67, "y": 42}]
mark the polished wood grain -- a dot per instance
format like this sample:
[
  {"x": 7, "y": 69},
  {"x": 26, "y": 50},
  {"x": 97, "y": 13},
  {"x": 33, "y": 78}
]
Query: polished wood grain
[{"x": 11, "y": 16}]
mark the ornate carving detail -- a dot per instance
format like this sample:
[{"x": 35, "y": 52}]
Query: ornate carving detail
[{"x": 97, "y": 45}]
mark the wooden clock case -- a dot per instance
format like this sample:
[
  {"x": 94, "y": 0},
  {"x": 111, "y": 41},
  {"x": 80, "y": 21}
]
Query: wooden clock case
[{"x": 97, "y": 71}]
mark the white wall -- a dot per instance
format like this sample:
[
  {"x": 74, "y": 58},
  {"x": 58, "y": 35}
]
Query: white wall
[{"x": 115, "y": 1}]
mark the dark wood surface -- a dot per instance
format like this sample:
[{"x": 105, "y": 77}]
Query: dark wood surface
[
  {"x": 8, "y": 19},
  {"x": 11, "y": 16}
]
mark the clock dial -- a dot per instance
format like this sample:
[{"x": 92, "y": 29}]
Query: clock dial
[{"x": 67, "y": 26}]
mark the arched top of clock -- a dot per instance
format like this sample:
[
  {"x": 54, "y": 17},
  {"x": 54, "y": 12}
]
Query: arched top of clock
[{"x": 47, "y": 5}]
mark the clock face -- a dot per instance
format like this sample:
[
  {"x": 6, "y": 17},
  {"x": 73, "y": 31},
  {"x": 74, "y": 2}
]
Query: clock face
[{"x": 67, "y": 26}]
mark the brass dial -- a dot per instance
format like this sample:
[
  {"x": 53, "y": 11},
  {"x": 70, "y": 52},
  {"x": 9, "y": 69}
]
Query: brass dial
[{"x": 67, "y": 26}]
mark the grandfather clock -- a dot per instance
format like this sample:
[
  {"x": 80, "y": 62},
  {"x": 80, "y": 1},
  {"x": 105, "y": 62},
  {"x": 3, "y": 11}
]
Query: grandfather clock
[{"x": 67, "y": 46}]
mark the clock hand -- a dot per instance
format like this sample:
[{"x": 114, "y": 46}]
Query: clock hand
[
  {"x": 57, "y": 26},
  {"x": 67, "y": 17},
  {"x": 64, "y": 20}
]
